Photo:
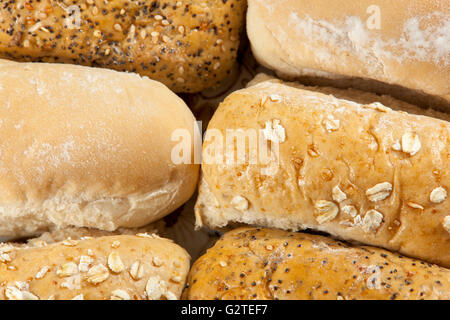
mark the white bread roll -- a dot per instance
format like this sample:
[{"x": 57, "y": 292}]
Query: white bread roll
[
  {"x": 359, "y": 171},
  {"x": 402, "y": 42},
  {"x": 122, "y": 267},
  {"x": 88, "y": 147}
]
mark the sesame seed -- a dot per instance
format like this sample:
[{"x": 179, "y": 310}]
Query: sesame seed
[{"x": 117, "y": 27}]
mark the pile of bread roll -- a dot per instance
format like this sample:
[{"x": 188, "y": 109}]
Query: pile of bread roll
[{"x": 352, "y": 201}]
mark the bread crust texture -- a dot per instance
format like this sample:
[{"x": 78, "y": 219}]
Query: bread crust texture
[
  {"x": 124, "y": 267},
  {"x": 267, "y": 264},
  {"x": 358, "y": 171},
  {"x": 402, "y": 43},
  {"x": 187, "y": 45},
  {"x": 88, "y": 147}
]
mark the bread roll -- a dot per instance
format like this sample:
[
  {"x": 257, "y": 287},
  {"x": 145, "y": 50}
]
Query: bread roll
[
  {"x": 360, "y": 172},
  {"x": 250, "y": 263},
  {"x": 402, "y": 43},
  {"x": 74, "y": 233},
  {"x": 88, "y": 147},
  {"x": 115, "y": 267},
  {"x": 187, "y": 45},
  {"x": 361, "y": 97}
]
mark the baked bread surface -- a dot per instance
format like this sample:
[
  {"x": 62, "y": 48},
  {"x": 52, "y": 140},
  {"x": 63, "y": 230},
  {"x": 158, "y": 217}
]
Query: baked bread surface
[
  {"x": 88, "y": 147},
  {"x": 253, "y": 263},
  {"x": 116, "y": 267},
  {"x": 187, "y": 45},
  {"x": 401, "y": 42},
  {"x": 357, "y": 171}
]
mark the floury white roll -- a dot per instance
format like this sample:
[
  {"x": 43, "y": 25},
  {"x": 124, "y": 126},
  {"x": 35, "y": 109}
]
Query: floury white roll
[
  {"x": 88, "y": 147},
  {"x": 345, "y": 163},
  {"x": 403, "y": 43}
]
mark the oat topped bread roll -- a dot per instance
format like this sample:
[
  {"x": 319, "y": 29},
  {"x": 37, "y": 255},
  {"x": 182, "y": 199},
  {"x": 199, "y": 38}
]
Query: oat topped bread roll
[
  {"x": 187, "y": 45},
  {"x": 358, "y": 171},
  {"x": 251, "y": 263},
  {"x": 74, "y": 233},
  {"x": 88, "y": 147},
  {"x": 402, "y": 43},
  {"x": 116, "y": 267}
]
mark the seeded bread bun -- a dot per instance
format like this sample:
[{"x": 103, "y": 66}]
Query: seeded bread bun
[
  {"x": 360, "y": 172},
  {"x": 116, "y": 267},
  {"x": 187, "y": 45},
  {"x": 88, "y": 147},
  {"x": 251, "y": 263},
  {"x": 402, "y": 43}
]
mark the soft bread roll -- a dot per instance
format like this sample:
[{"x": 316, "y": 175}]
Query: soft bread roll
[
  {"x": 88, "y": 148},
  {"x": 361, "y": 97},
  {"x": 357, "y": 171},
  {"x": 400, "y": 42},
  {"x": 74, "y": 233},
  {"x": 250, "y": 263},
  {"x": 116, "y": 267},
  {"x": 188, "y": 45}
]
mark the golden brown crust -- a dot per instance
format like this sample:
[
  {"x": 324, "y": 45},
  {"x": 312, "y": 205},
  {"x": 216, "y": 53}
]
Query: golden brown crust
[
  {"x": 95, "y": 149},
  {"x": 187, "y": 45},
  {"x": 402, "y": 43},
  {"x": 251, "y": 263},
  {"x": 357, "y": 171},
  {"x": 134, "y": 267}
]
